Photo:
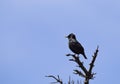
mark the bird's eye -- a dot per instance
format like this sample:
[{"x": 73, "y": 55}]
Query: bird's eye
[{"x": 73, "y": 36}]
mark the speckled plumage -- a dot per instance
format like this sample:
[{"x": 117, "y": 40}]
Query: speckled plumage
[{"x": 75, "y": 46}]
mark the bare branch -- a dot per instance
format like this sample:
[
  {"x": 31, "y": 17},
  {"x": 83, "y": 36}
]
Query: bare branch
[
  {"x": 79, "y": 73},
  {"x": 78, "y": 61},
  {"x": 58, "y": 80},
  {"x": 86, "y": 73},
  {"x": 90, "y": 75},
  {"x": 93, "y": 60}
]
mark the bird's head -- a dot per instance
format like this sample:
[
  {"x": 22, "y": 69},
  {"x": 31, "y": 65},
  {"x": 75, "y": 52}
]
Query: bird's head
[{"x": 71, "y": 36}]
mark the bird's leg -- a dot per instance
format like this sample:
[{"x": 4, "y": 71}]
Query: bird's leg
[{"x": 77, "y": 55}]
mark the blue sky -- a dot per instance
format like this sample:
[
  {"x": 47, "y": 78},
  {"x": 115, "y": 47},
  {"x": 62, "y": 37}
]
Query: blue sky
[{"x": 33, "y": 43}]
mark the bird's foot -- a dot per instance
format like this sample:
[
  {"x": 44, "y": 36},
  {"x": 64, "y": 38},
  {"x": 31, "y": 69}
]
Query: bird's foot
[{"x": 76, "y": 55}]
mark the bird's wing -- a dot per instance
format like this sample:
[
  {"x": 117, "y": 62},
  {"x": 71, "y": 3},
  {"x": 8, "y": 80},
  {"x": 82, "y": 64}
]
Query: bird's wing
[{"x": 78, "y": 45}]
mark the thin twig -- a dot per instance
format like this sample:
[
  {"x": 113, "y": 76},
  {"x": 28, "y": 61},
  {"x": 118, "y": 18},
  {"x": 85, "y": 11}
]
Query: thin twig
[
  {"x": 78, "y": 61},
  {"x": 58, "y": 80},
  {"x": 93, "y": 60},
  {"x": 90, "y": 75},
  {"x": 87, "y": 74},
  {"x": 79, "y": 73}
]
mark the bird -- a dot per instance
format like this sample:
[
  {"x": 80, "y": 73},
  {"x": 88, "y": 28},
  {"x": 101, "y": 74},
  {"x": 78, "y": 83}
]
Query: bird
[{"x": 75, "y": 46}]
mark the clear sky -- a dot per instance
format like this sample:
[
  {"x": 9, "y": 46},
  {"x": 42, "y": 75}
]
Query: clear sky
[{"x": 33, "y": 43}]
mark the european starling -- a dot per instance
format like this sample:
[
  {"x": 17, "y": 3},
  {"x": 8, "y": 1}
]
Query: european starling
[{"x": 75, "y": 46}]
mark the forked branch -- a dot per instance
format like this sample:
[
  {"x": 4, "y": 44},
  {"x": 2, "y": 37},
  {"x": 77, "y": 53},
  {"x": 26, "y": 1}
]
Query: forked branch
[{"x": 85, "y": 73}]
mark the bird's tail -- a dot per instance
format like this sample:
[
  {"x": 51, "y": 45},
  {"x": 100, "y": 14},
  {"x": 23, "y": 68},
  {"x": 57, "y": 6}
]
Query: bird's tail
[{"x": 84, "y": 56}]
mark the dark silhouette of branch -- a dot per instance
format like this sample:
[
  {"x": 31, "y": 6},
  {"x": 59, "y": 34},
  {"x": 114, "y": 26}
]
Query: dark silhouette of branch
[
  {"x": 90, "y": 75},
  {"x": 58, "y": 80},
  {"x": 78, "y": 61},
  {"x": 79, "y": 73},
  {"x": 93, "y": 60},
  {"x": 71, "y": 81},
  {"x": 85, "y": 73}
]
